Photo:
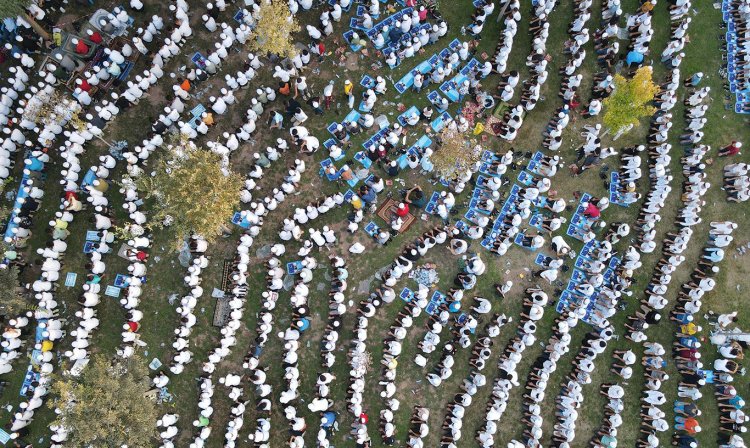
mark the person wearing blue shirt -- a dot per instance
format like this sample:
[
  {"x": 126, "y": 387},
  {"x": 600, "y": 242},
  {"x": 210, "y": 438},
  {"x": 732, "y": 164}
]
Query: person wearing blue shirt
[
  {"x": 713, "y": 254},
  {"x": 276, "y": 120},
  {"x": 34, "y": 164},
  {"x": 694, "y": 80},
  {"x": 367, "y": 194},
  {"x": 734, "y": 402},
  {"x": 689, "y": 341}
]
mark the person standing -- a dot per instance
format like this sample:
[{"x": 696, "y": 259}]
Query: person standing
[
  {"x": 349, "y": 92},
  {"x": 328, "y": 95}
]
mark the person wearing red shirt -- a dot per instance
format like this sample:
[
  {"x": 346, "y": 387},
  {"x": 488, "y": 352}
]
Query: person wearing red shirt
[
  {"x": 688, "y": 354},
  {"x": 592, "y": 211},
  {"x": 689, "y": 425},
  {"x": 402, "y": 210},
  {"x": 137, "y": 255},
  {"x": 94, "y": 36},
  {"x": 83, "y": 84},
  {"x": 81, "y": 47},
  {"x": 320, "y": 49},
  {"x": 731, "y": 149},
  {"x": 574, "y": 103}
]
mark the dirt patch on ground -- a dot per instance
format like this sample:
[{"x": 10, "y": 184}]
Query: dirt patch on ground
[
  {"x": 155, "y": 93},
  {"x": 65, "y": 21},
  {"x": 200, "y": 339},
  {"x": 243, "y": 157},
  {"x": 326, "y": 74},
  {"x": 352, "y": 61}
]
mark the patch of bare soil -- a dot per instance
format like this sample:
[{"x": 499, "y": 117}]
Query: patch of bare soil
[{"x": 352, "y": 61}]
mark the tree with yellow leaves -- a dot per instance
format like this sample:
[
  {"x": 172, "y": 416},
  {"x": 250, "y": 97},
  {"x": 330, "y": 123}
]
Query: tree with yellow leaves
[
  {"x": 191, "y": 191},
  {"x": 273, "y": 29},
  {"x": 106, "y": 406},
  {"x": 630, "y": 100},
  {"x": 454, "y": 153}
]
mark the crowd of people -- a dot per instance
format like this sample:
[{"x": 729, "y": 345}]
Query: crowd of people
[
  {"x": 257, "y": 373},
  {"x": 731, "y": 404},
  {"x": 687, "y": 345},
  {"x": 462, "y": 328},
  {"x": 480, "y": 354},
  {"x": 738, "y": 15},
  {"x": 71, "y": 148},
  {"x": 322, "y": 403},
  {"x": 507, "y": 377},
  {"x": 675, "y": 243},
  {"x": 367, "y": 308},
  {"x": 391, "y": 351},
  {"x": 136, "y": 254},
  {"x": 685, "y": 351},
  {"x": 594, "y": 300},
  {"x": 99, "y": 110},
  {"x": 737, "y": 182},
  {"x": 606, "y": 434},
  {"x": 252, "y": 220}
]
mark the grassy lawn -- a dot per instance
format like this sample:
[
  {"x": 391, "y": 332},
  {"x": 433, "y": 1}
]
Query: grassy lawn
[{"x": 165, "y": 274}]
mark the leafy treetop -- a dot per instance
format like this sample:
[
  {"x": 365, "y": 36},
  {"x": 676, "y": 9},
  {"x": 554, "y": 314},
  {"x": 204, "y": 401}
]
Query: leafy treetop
[
  {"x": 630, "y": 100},
  {"x": 193, "y": 193},
  {"x": 273, "y": 29},
  {"x": 13, "y": 8},
  {"x": 106, "y": 406}
]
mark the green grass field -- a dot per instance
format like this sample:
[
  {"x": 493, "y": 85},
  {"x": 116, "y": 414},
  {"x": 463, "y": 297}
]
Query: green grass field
[{"x": 165, "y": 274}]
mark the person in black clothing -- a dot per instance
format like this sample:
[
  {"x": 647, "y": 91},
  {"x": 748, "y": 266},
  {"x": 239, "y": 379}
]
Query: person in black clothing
[
  {"x": 315, "y": 103},
  {"x": 291, "y": 106},
  {"x": 411, "y": 254},
  {"x": 200, "y": 75},
  {"x": 683, "y": 441},
  {"x": 732, "y": 427},
  {"x": 686, "y": 409},
  {"x": 393, "y": 169},
  {"x": 122, "y": 104},
  {"x": 29, "y": 207}
]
